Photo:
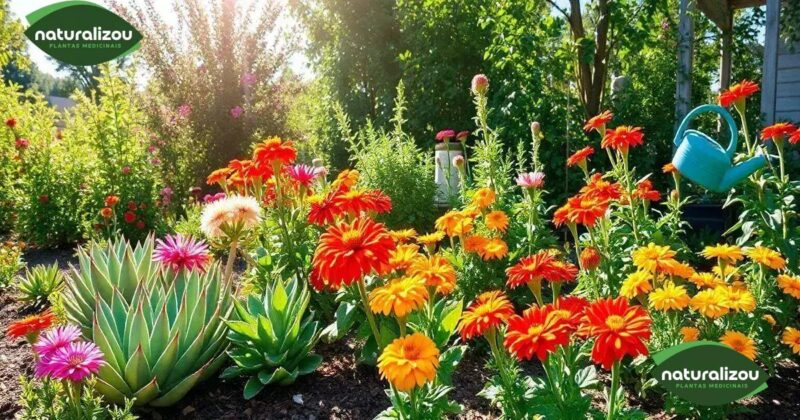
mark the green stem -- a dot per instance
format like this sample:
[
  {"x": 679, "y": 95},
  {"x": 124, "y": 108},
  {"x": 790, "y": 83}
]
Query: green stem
[
  {"x": 612, "y": 396},
  {"x": 362, "y": 290},
  {"x": 231, "y": 259}
]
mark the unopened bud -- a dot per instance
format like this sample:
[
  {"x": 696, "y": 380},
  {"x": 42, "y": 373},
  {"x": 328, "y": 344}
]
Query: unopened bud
[
  {"x": 458, "y": 161},
  {"x": 536, "y": 129},
  {"x": 480, "y": 84}
]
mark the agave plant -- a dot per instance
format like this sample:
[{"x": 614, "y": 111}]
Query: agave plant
[
  {"x": 273, "y": 337},
  {"x": 39, "y": 282},
  {"x": 161, "y": 332}
]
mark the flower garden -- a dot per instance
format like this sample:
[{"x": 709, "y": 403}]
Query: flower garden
[{"x": 284, "y": 287}]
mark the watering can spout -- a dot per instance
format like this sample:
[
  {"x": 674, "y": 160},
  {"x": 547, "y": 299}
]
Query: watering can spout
[{"x": 737, "y": 173}]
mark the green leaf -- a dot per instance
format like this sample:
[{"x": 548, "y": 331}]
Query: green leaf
[
  {"x": 309, "y": 364},
  {"x": 252, "y": 387}
]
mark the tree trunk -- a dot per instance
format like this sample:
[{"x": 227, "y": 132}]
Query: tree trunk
[{"x": 591, "y": 74}]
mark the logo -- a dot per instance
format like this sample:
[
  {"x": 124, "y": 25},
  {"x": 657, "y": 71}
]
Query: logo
[
  {"x": 81, "y": 33},
  {"x": 708, "y": 373}
]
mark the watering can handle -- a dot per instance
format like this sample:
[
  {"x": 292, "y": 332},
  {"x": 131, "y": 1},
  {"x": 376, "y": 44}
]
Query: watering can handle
[{"x": 711, "y": 108}]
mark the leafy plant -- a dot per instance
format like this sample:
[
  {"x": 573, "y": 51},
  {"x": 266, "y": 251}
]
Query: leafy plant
[
  {"x": 161, "y": 332},
  {"x": 45, "y": 400},
  {"x": 39, "y": 283},
  {"x": 10, "y": 263},
  {"x": 273, "y": 337}
]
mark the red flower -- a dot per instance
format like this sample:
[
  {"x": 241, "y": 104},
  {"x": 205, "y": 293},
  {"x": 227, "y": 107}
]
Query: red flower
[
  {"x": 31, "y": 326},
  {"x": 581, "y": 210},
  {"x": 323, "y": 211},
  {"x": 737, "y": 93},
  {"x": 778, "y": 131},
  {"x": 600, "y": 189},
  {"x": 275, "y": 150},
  {"x": 347, "y": 252},
  {"x": 590, "y": 258},
  {"x": 445, "y": 135},
  {"x": 132, "y": 205},
  {"x": 11, "y": 123},
  {"x": 219, "y": 176},
  {"x": 140, "y": 225},
  {"x": 462, "y": 135},
  {"x": 111, "y": 200},
  {"x": 598, "y": 121},
  {"x": 580, "y": 156},
  {"x": 537, "y": 332},
  {"x": 645, "y": 191},
  {"x": 795, "y": 137},
  {"x": 529, "y": 269},
  {"x": 489, "y": 310},
  {"x": 44, "y": 198},
  {"x": 571, "y": 309},
  {"x": 129, "y": 216},
  {"x": 21, "y": 144},
  {"x": 623, "y": 137},
  {"x": 356, "y": 202},
  {"x": 106, "y": 212},
  {"x": 618, "y": 328}
]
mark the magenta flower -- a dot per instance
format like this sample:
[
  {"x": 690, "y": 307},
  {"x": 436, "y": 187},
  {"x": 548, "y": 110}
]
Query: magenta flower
[
  {"x": 530, "y": 180},
  {"x": 22, "y": 144},
  {"x": 208, "y": 198},
  {"x": 180, "y": 252},
  {"x": 126, "y": 170},
  {"x": 184, "y": 110},
  {"x": 74, "y": 362},
  {"x": 303, "y": 174},
  {"x": 53, "y": 339},
  {"x": 249, "y": 79},
  {"x": 445, "y": 135},
  {"x": 237, "y": 111}
]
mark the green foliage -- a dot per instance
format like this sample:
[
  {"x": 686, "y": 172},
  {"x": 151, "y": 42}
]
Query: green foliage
[
  {"x": 39, "y": 283},
  {"x": 161, "y": 332},
  {"x": 12, "y": 39},
  {"x": 273, "y": 337},
  {"x": 49, "y": 399},
  {"x": 10, "y": 262},
  {"x": 391, "y": 162},
  {"x": 189, "y": 223}
]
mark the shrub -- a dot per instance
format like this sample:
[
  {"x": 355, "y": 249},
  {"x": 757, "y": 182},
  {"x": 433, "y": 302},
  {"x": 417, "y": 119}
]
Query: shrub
[
  {"x": 10, "y": 262},
  {"x": 45, "y": 400},
  {"x": 39, "y": 283}
]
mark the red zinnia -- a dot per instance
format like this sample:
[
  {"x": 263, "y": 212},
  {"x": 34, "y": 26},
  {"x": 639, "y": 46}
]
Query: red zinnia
[
  {"x": 129, "y": 216},
  {"x": 445, "y": 135},
  {"x": 794, "y": 138},
  {"x": 489, "y": 310},
  {"x": 218, "y": 176},
  {"x": 618, "y": 328},
  {"x": 111, "y": 200},
  {"x": 598, "y": 121},
  {"x": 645, "y": 191},
  {"x": 323, "y": 210},
  {"x": 31, "y": 326},
  {"x": 580, "y": 210},
  {"x": 737, "y": 93},
  {"x": 347, "y": 252},
  {"x": 462, "y": 135},
  {"x": 571, "y": 309},
  {"x": 580, "y": 156},
  {"x": 11, "y": 123},
  {"x": 275, "y": 150},
  {"x": 537, "y": 332},
  {"x": 778, "y": 131},
  {"x": 623, "y": 137},
  {"x": 529, "y": 269},
  {"x": 600, "y": 189}
]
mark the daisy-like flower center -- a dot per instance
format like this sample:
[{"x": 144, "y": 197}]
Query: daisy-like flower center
[
  {"x": 535, "y": 330},
  {"x": 352, "y": 238},
  {"x": 75, "y": 360},
  {"x": 615, "y": 322},
  {"x": 410, "y": 352}
]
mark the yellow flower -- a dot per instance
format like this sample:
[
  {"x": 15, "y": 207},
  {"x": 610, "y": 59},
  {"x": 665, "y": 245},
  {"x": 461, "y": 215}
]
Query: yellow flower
[
  {"x": 431, "y": 239},
  {"x": 678, "y": 269},
  {"x": 727, "y": 253},
  {"x": 669, "y": 297},
  {"x": 730, "y": 272},
  {"x": 706, "y": 280},
  {"x": 770, "y": 319},
  {"x": 654, "y": 258},
  {"x": 790, "y": 285},
  {"x": 791, "y": 337},
  {"x": 402, "y": 236},
  {"x": 690, "y": 334},
  {"x": 767, "y": 257},
  {"x": 347, "y": 178},
  {"x": 400, "y": 297},
  {"x": 402, "y": 257},
  {"x": 636, "y": 284},
  {"x": 409, "y": 362},
  {"x": 709, "y": 303},
  {"x": 436, "y": 271},
  {"x": 741, "y": 343},
  {"x": 494, "y": 248},
  {"x": 497, "y": 220},
  {"x": 483, "y": 198},
  {"x": 737, "y": 299}
]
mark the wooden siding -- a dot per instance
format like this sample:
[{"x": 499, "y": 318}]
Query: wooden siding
[{"x": 787, "y": 89}]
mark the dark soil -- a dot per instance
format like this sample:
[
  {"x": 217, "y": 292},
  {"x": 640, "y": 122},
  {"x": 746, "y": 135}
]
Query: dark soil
[{"x": 340, "y": 388}]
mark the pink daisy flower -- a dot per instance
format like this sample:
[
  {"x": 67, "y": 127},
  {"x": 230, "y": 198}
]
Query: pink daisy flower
[
  {"x": 53, "y": 339},
  {"x": 445, "y": 135},
  {"x": 530, "y": 180},
  {"x": 303, "y": 174},
  {"x": 75, "y": 361},
  {"x": 237, "y": 111},
  {"x": 180, "y": 252}
]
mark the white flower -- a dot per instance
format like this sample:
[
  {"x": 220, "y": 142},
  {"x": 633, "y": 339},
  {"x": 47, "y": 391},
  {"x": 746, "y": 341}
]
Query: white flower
[{"x": 236, "y": 209}]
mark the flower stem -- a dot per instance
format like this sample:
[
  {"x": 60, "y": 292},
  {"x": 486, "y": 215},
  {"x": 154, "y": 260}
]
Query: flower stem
[
  {"x": 612, "y": 394},
  {"x": 362, "y": 290},
  {"x": 231, "y": 259}
]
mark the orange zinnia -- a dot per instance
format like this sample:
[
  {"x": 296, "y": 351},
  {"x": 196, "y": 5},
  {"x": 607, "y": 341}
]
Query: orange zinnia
[
  {"x": 402, "y": 257},
  {"x": 645, "y": 191},
  {"x": 111, "y": 200},
  {"x": 669, "y": 168},
  {"x": 737, "y": 93},
  {"x": 529, "y": 269},
  {"x": 347, "y": 252},
  {"x": 454, "y": 223},
  {"x": 31, "y": 326},
  {"x": 794, "y": 138},
  {"x": 539, "y": 331},
  {"x": 489, "y": 310},
  {"x": 494, "y": 248},
  {"x": 622, "y": 138},
  {"x": 590, "y": 258},
  {"x": 436, "y": 271},
  {"x": 618, "y": 328},
  {"x": 475, "y": 243},
  {"x": 581, "y": 210},
  {"x": 579, "y": 157},
  {"x": 483, "y": 198},
  {"x": 600, "y": 189},
  {"x": 497, "y": 220},
  {"x": 274, "y": 150},
  {"x": 778, "y": 131},
  {"x": 106, "y": 212},
  {"x": 598, "y": 122},
  {"x": 219, "y": 176}
]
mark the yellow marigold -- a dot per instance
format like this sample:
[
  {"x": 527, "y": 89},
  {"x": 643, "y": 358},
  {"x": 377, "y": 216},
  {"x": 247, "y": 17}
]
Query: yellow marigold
[
  {"x": 409, "y": 362},
  {"x": 791, "y": 337},
  {"x": 636, "y": 284},
  {"x": 654, "y": 258},
  {"x": 475, "y": 243},
  {"x": 678, "y": 269},
  {"x": 347, "y": 178},
  {"x": 790, "y": 285},
  {"x": 494, "y": 248},
  {"x": 706, "y": 280},
  {"x": 741, "y": 343},
  {"x": 497, "y": 220},
  {"x": 690, "y": 334},
  {"x": 454, "y": 223},
  {"x": 724, "y": 252},
  {"x": 709, "y": 303},
  {"x": 767, "y": 257},
  {"x": 436, "y": 271},
  {"x": 669, "y": 297},
  {"x": 402, "y": 256},
  {"x": 770, "y": 319},
  {"x": 737, "y": 299},
  {"x": 430, "y": 239},
  {"x": 402, "y": 236},
  {"x": 399, "y": 297},
  {"x": 471, "y": 210},
  {"x": 483, "y": 198}
]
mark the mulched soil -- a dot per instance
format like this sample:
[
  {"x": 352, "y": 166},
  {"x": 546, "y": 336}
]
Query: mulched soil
[{"x": 340, "y": 388}]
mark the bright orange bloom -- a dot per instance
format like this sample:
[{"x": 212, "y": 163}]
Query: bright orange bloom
[
  {"x": 497, "y": 220},
  {"x": 402, "y": 236},
  {"x": 669, "y": 168},
  {"x": 346, "y": 179},
  {"x": 493, "y": 249},
  {"x": 111, "y": 200},
  {"x": 598, "y": 122},
  {"x": 600, "y": 189},
  {"x": 571, "y": 309},
  {"x": 737, "y": 93},
  {"x": 106, "y": 212},
  {"x": 678, "y": 269},
  {"x": 669, "y": 297},
  {"x": 645, "y": 191},
  {"x": 790, "y": 285},
  {"x": 219, "y": 176},
  {"x": 778, "y": 131},
  {"x": 622, "y": 138},
  {"x": 356, "y": 202},
  {"x": 741, "y": 343},
  {"x": 436, "y": 271},
  {"x": 454, "y": 223},
  {"x": 323, "y": 210},
  {"x": 706, "y": 280},
  {"x": 637, "y": 283},
  {"x": 399, "y": 297},
  {"x": 483, "y": 198},
  {"x": 767, "y": 257},
  {"x": 347, "y": 252},
  {"x": 529, "y": 269},
  {"x": 580, "y": 210},
  {"x": 489, "y": 310},
  {"x": 274, "y": 150},
  {"x": 580, "y": 156},
  {"x": 618, "y": 328},
  {"x": 590, "y": 258},
  {"x": 475, "y": 243},
  {"x": 409, "y": 361},
  {"x": 791, "y": 337},
  {"x": 402, "y": 257},
  {"x": 430, "y": 239},
  {"x": 690, "y": 334},
  {"x": 31, "y": 326},
  {"x": 538, "y": 332},
  {"x": 728, "y": 253}
]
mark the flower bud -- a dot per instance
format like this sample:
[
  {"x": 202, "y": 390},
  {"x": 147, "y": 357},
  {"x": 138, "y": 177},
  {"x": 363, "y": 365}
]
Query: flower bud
[
  {"x": 480, "y": 84},
  {"x": 458, "y": 161},
  {"x": 590, "y": 258},
  {"x": 536, "y": 129}
]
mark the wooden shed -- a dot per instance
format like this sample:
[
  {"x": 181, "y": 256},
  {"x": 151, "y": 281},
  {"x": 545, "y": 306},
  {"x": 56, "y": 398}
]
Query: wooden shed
[{"x": 780, "y": 84}]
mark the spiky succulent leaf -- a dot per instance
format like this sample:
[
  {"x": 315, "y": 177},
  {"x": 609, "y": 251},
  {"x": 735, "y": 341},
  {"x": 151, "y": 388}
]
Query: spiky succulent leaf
[{"x": 39, "y": 283}]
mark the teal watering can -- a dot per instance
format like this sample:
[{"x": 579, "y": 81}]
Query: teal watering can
[{"x": 703, "y": 161}]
